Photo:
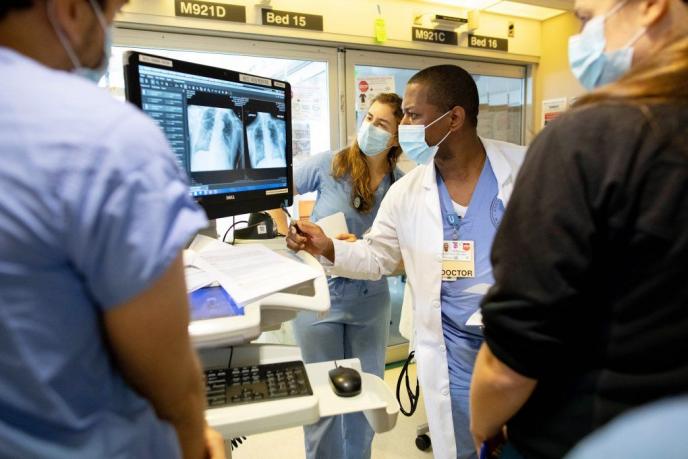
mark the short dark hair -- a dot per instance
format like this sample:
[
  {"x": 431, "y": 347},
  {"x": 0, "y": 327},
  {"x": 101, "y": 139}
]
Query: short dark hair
[
  {"x": 450, "y": 86},
  {"x": 9, "y": 5}
]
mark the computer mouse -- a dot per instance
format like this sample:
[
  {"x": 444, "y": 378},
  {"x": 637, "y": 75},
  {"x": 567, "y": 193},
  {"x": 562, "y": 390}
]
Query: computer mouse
[{"x": 346, "y": 382}]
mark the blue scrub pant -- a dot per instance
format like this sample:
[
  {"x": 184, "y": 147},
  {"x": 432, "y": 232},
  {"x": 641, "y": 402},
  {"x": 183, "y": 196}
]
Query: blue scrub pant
[
  {"x": 348, "y": 436},
  {"x": 461, "y": 417}
]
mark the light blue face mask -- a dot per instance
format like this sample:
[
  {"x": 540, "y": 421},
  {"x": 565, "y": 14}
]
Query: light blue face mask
[
  {"x": 590, "y": 63},
  {"x": 372, "y": 140},
  {"x": 412, "y": 141},
  {"x": 91, "y": 74}
]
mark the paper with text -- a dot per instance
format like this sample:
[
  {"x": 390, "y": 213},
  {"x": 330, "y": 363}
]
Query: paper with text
[{"x": 247, "y": 272}]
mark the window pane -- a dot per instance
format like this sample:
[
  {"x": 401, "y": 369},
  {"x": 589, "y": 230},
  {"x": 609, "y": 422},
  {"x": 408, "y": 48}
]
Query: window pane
[{"x": 501, "y": 100}]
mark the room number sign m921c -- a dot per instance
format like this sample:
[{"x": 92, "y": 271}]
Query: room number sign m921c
[
  {"x": 444, "y": 37},
  {"x": 209, "y": 10}
]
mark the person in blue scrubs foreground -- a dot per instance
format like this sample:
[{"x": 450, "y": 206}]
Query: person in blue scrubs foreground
[
  {"x": 95, "y": 357},
  {"x": 352, "y": 181}
]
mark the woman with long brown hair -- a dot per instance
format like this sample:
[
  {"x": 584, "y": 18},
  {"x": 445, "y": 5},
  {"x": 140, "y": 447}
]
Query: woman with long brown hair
[
  {"x": 353, "y": 181},
  {"x": 588, "y": 317}
]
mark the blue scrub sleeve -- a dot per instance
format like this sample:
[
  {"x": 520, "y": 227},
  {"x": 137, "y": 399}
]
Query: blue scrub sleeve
[
  {"x": 307, "y": 177},
  {"x": 135, "y": 216}
]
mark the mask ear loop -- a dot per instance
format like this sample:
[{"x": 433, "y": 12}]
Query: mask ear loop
[
  {"x": 69, "y": 49},
  {"x": 616, "y": 9},
  {"x": 443, "y": 138},
  {"x": 636, "y": 37},
  {"x": 448, "y": 112}
]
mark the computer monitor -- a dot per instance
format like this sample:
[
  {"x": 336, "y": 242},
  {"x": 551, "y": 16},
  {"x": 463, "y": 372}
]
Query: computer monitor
[{"x": 231, "y": 132}]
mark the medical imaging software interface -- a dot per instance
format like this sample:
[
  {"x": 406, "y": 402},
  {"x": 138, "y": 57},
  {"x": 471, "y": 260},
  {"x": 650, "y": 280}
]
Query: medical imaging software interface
[{"x": 228, "y": 136}]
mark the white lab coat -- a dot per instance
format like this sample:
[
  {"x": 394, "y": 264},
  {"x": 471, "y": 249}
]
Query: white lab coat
[{"x": 408, "y": 227}]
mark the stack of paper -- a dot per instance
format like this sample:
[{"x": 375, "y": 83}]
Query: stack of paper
[{"x": 247, "y": 272}]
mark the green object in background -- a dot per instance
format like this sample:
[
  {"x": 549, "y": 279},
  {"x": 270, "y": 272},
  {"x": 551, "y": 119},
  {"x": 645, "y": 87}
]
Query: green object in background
[{"x": 380, "y": 30}]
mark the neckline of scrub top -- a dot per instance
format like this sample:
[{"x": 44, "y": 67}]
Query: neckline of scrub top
[{"x": 448, "y": 212}]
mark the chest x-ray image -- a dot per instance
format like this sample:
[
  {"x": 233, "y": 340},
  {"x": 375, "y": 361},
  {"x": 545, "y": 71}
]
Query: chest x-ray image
[
  {"x": 267, "y": 142},
  {"x": 217, "y": 141}
]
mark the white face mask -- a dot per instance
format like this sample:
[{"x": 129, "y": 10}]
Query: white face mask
[
  {"x": 91, "y": 74},
  {"x": 372, "y": 140},
  {"x": 412, "y": 141}
]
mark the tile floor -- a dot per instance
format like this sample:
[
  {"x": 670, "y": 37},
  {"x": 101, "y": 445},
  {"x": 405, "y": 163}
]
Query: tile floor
[{"x": 399, "y": 443}]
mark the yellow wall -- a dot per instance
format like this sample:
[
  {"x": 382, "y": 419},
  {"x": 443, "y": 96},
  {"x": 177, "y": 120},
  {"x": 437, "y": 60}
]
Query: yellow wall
[
  {"x": 351, "y": 24},
  {"x": 347, "y": 23},
  {"x": 554, "y": 78}
]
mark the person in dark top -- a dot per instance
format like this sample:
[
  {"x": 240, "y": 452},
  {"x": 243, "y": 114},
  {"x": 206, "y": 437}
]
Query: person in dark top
[{"x": 588, "y": 316}]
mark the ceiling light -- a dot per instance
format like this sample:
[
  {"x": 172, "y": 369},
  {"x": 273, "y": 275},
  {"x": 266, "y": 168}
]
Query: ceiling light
[{"x": 523, "y": 10}]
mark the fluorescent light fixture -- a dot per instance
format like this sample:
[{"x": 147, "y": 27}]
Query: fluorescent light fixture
[{"x": 523, "y": 10}]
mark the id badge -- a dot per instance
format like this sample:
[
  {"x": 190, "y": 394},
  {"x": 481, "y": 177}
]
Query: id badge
[{"x": 458, "y": 260}]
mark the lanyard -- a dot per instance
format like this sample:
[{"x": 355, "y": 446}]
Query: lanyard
[{"x": 448, "y": 212}]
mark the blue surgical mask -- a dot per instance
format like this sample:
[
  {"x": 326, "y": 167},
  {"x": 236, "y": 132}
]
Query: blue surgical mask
[
  {"x": 372, "y": 140},
  {"x": 91, "y": 74},
  {"x": 412, "y": 141},
  {"x": 590, "y": 63}
]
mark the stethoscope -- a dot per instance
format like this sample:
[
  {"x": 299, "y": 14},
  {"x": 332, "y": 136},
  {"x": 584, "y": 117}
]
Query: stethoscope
[{"x": 357, "y": 199}]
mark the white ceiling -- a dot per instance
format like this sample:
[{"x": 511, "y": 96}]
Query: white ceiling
[{"x": 540, "y": 10}]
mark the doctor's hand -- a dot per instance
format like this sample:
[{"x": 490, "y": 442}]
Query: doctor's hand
[{"x": 311, "y": 238}]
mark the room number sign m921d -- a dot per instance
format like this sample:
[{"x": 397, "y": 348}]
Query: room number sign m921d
[{"x": 209, "y": 10}]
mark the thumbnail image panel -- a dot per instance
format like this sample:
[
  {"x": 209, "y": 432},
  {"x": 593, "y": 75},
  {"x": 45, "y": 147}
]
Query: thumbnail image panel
[
  {"x": 217, "y": 140},
  {"x": 267, "y": 141}
]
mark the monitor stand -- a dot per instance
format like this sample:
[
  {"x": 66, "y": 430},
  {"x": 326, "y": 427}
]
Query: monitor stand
[{"x": 210, "y": 230}]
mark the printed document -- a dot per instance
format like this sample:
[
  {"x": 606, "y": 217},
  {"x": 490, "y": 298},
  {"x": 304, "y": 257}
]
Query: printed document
[{"x": 247, "y": 272}]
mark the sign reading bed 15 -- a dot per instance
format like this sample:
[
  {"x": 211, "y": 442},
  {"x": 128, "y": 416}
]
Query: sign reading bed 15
[
  {"x": 290, "y": 19},
  {"x": 209, "y": 10}
]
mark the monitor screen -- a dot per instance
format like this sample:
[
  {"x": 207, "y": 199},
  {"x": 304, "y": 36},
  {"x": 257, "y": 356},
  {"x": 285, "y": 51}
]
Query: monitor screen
[{"x": 230, "y": 132}]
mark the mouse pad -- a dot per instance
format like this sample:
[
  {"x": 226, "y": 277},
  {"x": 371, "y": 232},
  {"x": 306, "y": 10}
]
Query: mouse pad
[{"x": 211, "y": 303}]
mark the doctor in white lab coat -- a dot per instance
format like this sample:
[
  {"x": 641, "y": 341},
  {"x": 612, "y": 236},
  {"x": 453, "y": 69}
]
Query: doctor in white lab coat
[{"x": 439, "y": 220}]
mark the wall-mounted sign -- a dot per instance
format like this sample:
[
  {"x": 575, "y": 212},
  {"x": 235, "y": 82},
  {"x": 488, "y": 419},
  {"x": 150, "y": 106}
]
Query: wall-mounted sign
[
  {"x": 290, "y": 19},
  {"x": 435, "y": 36},
  {"x": 553, "y": 109},
  {"x": 367, "y": 87},
  {"x": 209, "y": 10},
  {"x": 491, "y": 43}
]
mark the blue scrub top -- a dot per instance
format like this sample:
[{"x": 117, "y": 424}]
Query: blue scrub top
[
  {"x": 334, "y": 195},
  {"x": 94, "y": 208},
  {"x": 479, "y": 225}
]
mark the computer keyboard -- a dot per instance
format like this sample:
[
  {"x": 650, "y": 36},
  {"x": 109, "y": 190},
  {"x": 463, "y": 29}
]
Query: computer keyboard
[{"x": 259, "y": 383}]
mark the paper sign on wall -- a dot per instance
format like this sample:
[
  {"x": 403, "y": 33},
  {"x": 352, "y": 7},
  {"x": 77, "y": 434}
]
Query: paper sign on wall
[
  {"x": 367, "y": 87},
  {"x": 552, "y": 109},
  {"x": 306, "y": 103}
]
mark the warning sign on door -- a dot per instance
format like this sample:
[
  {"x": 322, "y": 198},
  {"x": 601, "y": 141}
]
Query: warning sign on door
[{"x": 367, "y": 87}]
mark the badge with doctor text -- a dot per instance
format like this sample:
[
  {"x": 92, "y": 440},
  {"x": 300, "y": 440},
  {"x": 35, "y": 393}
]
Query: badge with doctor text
[{"x": 458, "y": 260}]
